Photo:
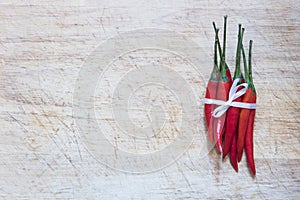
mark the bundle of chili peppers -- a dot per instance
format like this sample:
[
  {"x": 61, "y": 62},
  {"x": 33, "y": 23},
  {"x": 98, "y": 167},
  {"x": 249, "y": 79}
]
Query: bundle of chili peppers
[{"x": 230, "y": 103}]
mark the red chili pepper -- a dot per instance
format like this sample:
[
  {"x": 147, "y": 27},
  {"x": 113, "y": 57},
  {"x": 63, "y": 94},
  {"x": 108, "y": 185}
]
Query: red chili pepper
[
  {"x": 211, "y": 92},
  {"x": 243, "y": 122},
  {"x": 222, "y": 94},
  {"x": 233, "y": 112},
  {"x": 249, "y": 143},
  {"x": 249, "y": 132},
  {"x": 219, "y": 123},
  {"x": 233, "y": 158},
  {"x": 249, "y": 97}
]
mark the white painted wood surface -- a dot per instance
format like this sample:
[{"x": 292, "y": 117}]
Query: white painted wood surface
[{"x": 44, "y": 44}]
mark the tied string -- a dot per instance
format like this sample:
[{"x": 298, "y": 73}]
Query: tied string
[{"x": 233, "y": 94}]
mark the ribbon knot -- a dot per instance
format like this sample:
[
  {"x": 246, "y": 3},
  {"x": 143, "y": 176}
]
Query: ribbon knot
[{"x": 233, "y": 94}]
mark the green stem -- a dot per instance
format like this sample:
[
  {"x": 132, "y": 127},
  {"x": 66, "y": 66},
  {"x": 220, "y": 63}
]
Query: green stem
[
  {"x": 237, "y": 72},
  {"x": 250, "y": 60},
  {"x": 215, "y": 51},
  {"x": 222, "y": 61},
  {"x": 215, "y": 72},
  {"x": 250, "y": 67},
  {"x": 247, "y": 80},
  {"x": 219, "y": 45},
  {"x": 224, "y": 36}
]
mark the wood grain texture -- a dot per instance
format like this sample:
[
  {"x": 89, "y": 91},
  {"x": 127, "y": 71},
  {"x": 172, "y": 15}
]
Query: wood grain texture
[{"x": 43, "y": 45}]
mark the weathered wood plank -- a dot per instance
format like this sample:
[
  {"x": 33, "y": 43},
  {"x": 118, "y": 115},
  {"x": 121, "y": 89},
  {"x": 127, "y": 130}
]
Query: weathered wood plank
[{"x": 43, "y": 45}]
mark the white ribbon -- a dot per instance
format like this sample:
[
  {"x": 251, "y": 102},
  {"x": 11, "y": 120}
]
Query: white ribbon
[{"x": 233, "y": 94}]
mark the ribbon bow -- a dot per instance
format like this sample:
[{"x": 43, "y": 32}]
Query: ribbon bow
[{"x": 233, "y": 94}]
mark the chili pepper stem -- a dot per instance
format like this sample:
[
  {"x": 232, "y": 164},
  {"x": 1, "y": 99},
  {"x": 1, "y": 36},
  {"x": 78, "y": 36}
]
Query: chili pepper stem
[
  {"x": 237, "y": 72},
  {"x": 224, "y": 35},
  {"x": 250, "y": 66}
]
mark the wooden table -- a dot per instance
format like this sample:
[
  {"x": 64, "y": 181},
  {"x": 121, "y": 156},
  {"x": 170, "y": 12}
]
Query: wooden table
[{"x": 45, "y": 44}]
